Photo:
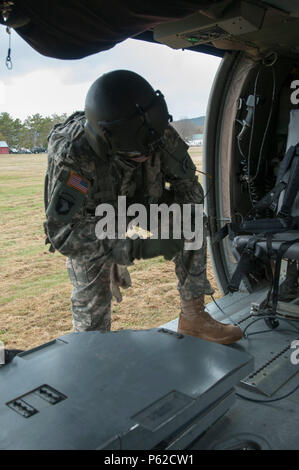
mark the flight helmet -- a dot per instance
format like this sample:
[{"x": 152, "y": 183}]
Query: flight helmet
[{"x": 124, "y": 111}]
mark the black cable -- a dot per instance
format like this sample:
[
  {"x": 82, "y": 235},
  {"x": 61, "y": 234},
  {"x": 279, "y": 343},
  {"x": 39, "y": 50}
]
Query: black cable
[
  {"x": 211, "y": 182},
  {"x": 262, "y": 317},
  {"x": 251, "y": 137},
  {"x": 206, "y": 174},
  {"x": 253, "y": 121},
  {"x": 259, "y": 332},
  {"x": 255, "y": 400},
  {"x": 250, "y": 178},
  {"x": 240, "y": 149},
  {"x": 268, "y": 123},
  {"x": 218, "y": 306}
]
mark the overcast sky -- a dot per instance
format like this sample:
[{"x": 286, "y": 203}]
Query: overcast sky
[{"x": 39, "y": 84}]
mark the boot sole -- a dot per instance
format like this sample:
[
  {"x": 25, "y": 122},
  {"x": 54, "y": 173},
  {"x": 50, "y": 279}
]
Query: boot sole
[{"x": 224, "y": 340}]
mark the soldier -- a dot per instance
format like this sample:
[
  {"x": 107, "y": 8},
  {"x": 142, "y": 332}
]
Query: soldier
[{"x": 123, "y": 145}]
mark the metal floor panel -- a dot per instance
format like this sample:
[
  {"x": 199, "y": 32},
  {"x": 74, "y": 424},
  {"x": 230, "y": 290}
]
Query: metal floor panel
[
  {"x": 273, "y": 426},
  {"x": 118, "y": 390},
  {"x": 258, "y": 425},
  {"x": 274, "y": 373},
  {"x": 251, "y": 425},
  {"x": 271, "y": 349}
]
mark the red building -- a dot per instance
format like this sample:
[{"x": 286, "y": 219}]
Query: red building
[{"x": 3, "y": 147}]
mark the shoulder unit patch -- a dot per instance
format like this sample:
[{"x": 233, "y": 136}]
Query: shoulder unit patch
[{"x": 68, "y": 196}]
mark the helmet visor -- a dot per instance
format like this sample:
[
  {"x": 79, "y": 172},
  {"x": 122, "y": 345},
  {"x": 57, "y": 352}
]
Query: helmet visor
[{"x": 141, "y": 130}]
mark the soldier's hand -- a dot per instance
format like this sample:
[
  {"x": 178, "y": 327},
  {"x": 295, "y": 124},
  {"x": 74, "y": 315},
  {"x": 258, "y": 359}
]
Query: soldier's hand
[
  {"x": 125, "y": 251},
  {"x": 149, "y": 248}
]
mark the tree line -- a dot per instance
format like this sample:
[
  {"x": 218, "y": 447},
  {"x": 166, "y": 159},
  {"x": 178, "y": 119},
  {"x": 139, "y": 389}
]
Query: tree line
[
  {"x": 34, "y": 130},
  {"x": 30, "y": 133}
]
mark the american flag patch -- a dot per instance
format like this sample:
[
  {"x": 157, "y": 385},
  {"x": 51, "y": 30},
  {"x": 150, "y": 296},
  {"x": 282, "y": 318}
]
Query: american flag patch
[{"x": 77, "y": 182}]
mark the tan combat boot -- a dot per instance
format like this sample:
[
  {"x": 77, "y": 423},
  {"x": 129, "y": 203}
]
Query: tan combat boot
[{"x": 195, "y": 321}]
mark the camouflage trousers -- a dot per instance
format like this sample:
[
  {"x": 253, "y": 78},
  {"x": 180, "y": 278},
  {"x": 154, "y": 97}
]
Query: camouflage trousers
[{"x": 91, "y": 296}]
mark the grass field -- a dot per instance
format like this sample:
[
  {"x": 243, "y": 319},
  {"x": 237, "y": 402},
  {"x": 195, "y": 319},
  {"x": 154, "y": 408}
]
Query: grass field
[{"x": 34, "y": 287}]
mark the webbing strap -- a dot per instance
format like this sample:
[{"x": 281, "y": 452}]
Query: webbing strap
[
  {"x": 244, "y": 266},
  {"x": 230, "y": 229},
  {"x": 247, "y": 262},
  {"x": 286, "y": 162},
  {"x": 271, "y": 199}
]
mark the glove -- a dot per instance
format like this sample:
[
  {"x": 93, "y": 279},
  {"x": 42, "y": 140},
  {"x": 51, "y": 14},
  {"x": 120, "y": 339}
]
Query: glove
[
  {"x": 150, "y": 248},
  {"x": 125, "y": 251},
  {"x": 119, "y": 277}
]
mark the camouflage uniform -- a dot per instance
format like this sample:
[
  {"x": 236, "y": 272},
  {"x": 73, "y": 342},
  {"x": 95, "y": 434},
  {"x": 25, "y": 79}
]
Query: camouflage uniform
[{"x": 90, "y": 263}]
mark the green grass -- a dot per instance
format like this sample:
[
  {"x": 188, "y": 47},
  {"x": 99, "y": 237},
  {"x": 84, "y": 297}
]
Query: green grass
[
  {"x": 147, "y": 263},
  {"x": 29, "y": 251},
  {"x": 35, "y": 286}
]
